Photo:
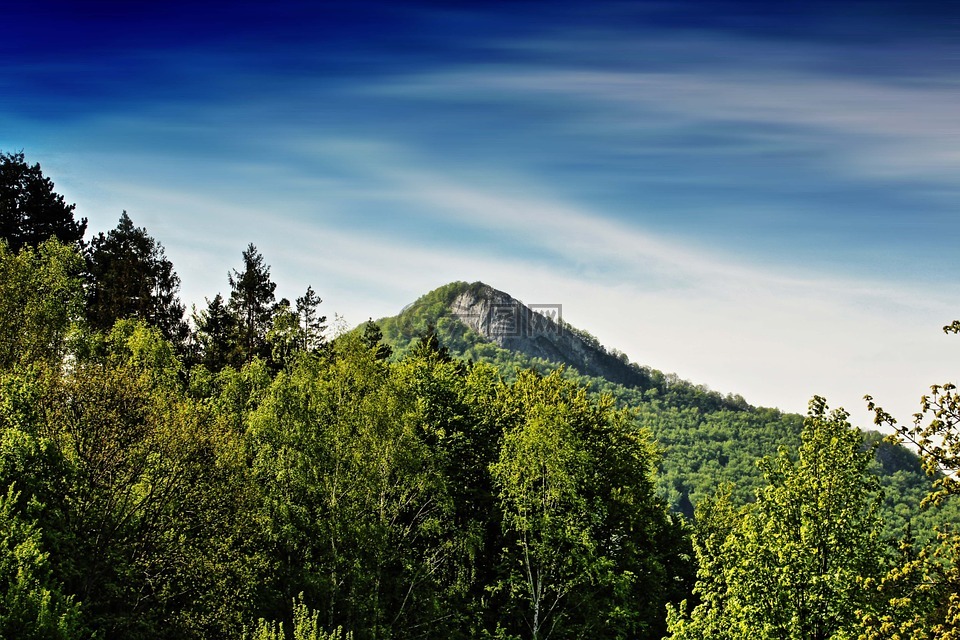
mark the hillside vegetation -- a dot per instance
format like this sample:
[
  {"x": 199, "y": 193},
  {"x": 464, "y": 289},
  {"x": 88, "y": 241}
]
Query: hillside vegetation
[{"x": 705, "y": 438}]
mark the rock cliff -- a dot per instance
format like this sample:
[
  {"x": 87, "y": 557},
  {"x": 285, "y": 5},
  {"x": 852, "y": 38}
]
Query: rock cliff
[{"x": 537, "y": 331}]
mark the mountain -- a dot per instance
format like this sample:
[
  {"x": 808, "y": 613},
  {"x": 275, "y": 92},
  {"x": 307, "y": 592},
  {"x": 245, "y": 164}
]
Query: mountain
[
  {"x": 477, "y": 322},
  {"x": 538, "y": 333},
  {"x": 705, "y": 438}
]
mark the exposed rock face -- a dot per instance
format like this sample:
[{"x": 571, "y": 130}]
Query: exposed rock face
[{"x": 537, "y": 332}]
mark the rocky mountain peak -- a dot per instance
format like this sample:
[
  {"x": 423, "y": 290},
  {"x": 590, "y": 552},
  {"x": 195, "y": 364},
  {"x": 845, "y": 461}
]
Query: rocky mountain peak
[{"x": 536, "y": 330}]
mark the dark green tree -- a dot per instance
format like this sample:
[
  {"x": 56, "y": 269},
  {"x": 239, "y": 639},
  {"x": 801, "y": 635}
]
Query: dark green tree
[
  {"x": 131, "y": 277},
  {"x": 429, "y": 345},
  {"x": 215, "y": 337},
  {"x": 373, "y": 338},
  {"x": 311, "y": 323},
  {"x": 30, "y": 210},
  {"x": 252, "y": 304}
]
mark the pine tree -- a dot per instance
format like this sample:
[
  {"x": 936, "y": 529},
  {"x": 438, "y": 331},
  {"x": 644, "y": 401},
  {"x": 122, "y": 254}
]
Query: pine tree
[
  {"x": 30, "y": 210},
  {"x": 215, "y": 335},
  {"x": 311, "y": 323},
  {"x": 252, "y": 303},
  {"x": 131, "y": 277},
  {"x": 373, "y": 338}
]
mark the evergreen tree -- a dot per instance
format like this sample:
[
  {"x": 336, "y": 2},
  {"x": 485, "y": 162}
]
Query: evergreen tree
[
  {"x": 252, "y": 303},
  {"x": 429, "y": 346},
  {"x": 215, "y": 334},
  {"x": 373, "y": 338},
  {"x": 131, "y": 277},
  {"x": 311, "y": 323},
  {"x": 30, "y": 210}
]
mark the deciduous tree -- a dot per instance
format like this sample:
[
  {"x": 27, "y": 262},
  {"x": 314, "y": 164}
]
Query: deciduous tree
[{"x": 793, "y": 564}]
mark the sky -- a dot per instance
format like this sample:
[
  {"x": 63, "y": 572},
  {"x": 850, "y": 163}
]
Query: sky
[{"x": 760, "y": 197}]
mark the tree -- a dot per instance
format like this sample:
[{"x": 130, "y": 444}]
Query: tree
[
  {"x": 355, "y": 496},
  {"x": 792, "y": 565},
  {"x": 928, "y": 582},
  {"x": 286, "y": 336},
  {"x": 215, "y": 334},
  {"x": 373, "y": 338},
  {"x": 30, "y": 606},
  {"x": 585, "y": 535},
  {"x": 429, "y": 346},
  {"x": 251, "y": 302},
  {"x": 41, "y": 297},
  {"x": 131, "y": 277},
  {"x": 311, "y": 324},
  {"x": 30, "y": 210}
]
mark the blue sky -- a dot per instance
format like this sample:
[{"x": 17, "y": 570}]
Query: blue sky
[{"x": 761, "y": 197}]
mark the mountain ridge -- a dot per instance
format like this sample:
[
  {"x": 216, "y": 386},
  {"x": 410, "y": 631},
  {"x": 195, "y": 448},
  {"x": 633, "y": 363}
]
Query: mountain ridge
[
  {"x": 705, "y": 438},
  {"x": 468, "y": 316}
]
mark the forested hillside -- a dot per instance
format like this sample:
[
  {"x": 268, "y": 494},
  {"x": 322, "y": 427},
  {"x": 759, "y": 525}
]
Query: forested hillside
[
  {"x": 244, "y": 473},
  {"x": 705, "y": 438}
]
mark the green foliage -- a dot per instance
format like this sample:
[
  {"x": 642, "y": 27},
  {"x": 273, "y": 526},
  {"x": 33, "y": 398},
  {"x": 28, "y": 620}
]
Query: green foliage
[
  {"x": 305, "y": 626},
  {"x": 706, "y": 439},
  {"x": 373, "y": 338},
  {"x": 31, "y": 607},
  {"x": 251, "y": 302},
  {"x": 41, "y": 297},
  {"x": 794, "y": 563},
  {"x": 585, "y": 534},
  {"x": 919, "y": 594},
  {"x": 274, "y": 484},
  {"x": 311, "y": 323},
  {"x": 214, "y": 339}
]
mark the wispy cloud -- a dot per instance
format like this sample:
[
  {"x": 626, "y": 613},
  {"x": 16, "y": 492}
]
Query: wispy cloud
[
  {"x": 882, "y": 129},
  {"x": 658, "y": 187}
]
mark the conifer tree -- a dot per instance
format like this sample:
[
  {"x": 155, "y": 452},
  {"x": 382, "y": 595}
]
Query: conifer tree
[
  {"x": 311, "y": 322},
  {"x": 216, "y": 330},
  {"x": 252, "y": 303},
  {"x": 131, "y": 277},
  {"x": 30, "y": 210}
]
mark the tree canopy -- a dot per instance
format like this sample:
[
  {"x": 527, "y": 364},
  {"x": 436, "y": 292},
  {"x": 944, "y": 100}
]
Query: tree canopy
[
  {"x": 30, "y": 210},
  {"x": 129, "y": 276}
]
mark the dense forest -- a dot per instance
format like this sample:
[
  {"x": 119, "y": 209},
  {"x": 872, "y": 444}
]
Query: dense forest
[{"x": 245, "y": 473}]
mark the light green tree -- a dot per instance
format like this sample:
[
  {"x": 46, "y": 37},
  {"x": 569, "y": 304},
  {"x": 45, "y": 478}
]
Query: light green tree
[
  {"x": 30, "y": 606},
  {"x": 920, "y": 596},
  {"x": 586, "y": 540},
  {"x": 793, "y": 564},
  {"x": 41, "y": 297},
  {"x": 540, "y": 475}
]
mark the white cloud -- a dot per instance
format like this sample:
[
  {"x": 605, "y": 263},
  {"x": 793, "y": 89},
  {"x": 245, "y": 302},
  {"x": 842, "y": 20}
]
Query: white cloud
[{"x": 882, "y": 129}]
